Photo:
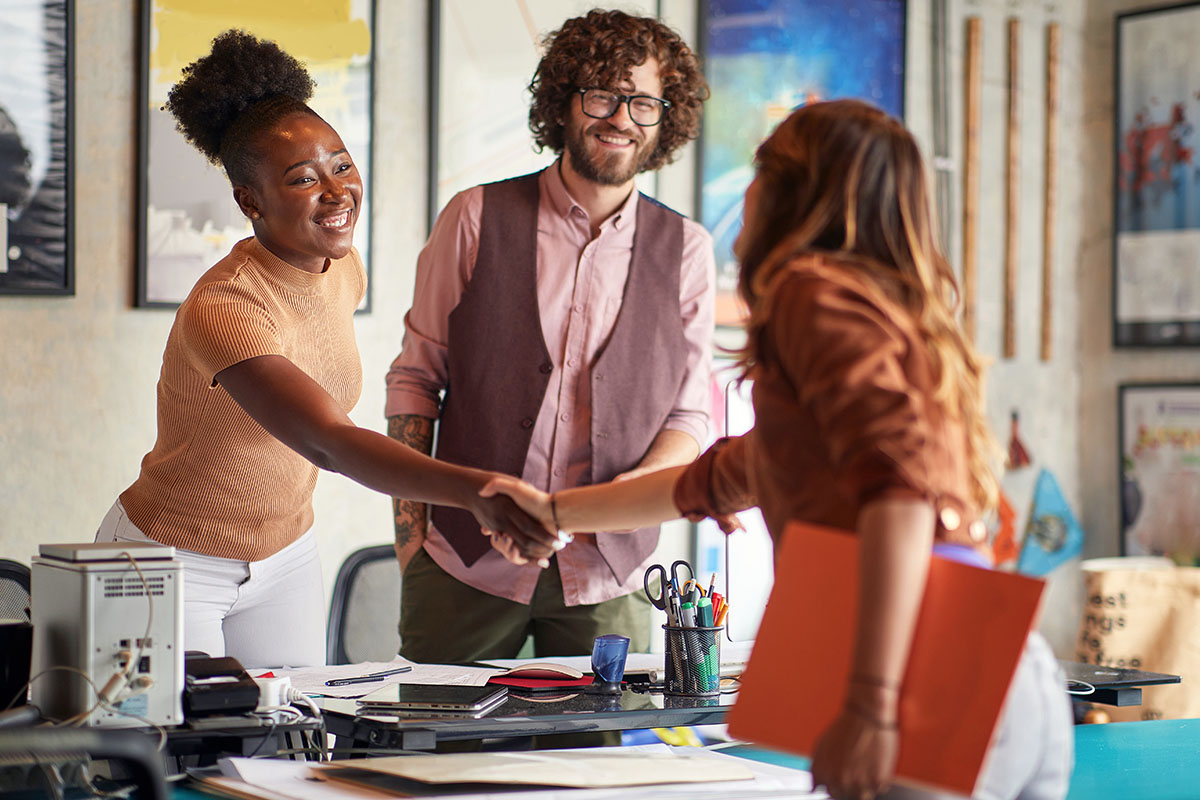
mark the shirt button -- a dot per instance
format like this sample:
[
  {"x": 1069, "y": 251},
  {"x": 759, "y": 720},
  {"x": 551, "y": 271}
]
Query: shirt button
[
  {"x": 565, "y": 417},
  {"x": 577, "y": 308},
  {"x": 527, "y": 423},
  {"x": 950, "y": 519},
  {"x": 571, "y": 362},
  {"x": 546, "y": 368},
  {"x": 558, "y": 473}
]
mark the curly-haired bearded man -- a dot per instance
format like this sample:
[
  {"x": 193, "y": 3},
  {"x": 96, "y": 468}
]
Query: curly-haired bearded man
[{"x": 568, "y": 320}]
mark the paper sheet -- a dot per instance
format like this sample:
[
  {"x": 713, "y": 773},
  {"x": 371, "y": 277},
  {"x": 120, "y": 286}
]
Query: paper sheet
[
  {"x": 587, "y": 768},
  {"x": 768, "y": 781},
  {"x": 269, "y": 779},
  {"x": 311, "y": 680}
]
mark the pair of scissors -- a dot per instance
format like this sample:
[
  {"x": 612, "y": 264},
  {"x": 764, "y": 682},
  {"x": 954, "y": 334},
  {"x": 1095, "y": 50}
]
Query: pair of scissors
[{"x": 661, "y": 599}]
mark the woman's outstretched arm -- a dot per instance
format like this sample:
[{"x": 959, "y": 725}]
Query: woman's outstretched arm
[{"x": 297, "y": 411}]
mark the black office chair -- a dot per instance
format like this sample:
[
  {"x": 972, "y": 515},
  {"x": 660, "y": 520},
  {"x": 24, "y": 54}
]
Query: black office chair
[
  {"x": 55, "y": 762},
  {"x": 365, "y": 610},
  {"x": 14, "y": 590}
]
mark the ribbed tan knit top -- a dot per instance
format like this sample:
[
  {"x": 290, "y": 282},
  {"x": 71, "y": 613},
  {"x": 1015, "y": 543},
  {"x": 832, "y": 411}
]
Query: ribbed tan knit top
[{"x": 216, "y": 482}]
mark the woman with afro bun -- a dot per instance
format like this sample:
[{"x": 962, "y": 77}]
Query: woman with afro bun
[{"x": 259, "y": 373}]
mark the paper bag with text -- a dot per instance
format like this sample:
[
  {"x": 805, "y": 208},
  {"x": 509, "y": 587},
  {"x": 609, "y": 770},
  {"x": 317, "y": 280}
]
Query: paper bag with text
[{"x": 1144, "y": 614}]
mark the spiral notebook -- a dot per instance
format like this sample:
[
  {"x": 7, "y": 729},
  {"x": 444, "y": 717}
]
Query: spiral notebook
[{"x": 972, "y": 627}]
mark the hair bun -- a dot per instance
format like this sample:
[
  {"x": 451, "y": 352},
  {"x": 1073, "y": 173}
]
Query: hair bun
[{"x": 216, "y": 89}]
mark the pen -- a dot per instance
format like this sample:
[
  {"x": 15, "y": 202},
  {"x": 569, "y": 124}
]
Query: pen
[
  {"x": 370, "y": 678},
  {"x": 712, "y": 584}
]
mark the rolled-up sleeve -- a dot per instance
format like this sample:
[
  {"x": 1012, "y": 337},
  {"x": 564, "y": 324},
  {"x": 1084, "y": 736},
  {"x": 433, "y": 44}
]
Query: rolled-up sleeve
[
  {"x": 717, "y": 482},
  {"x": 444, "y": 266},
  {"x": 852, "y": 365},
  {"x": 697, "y": 297}
]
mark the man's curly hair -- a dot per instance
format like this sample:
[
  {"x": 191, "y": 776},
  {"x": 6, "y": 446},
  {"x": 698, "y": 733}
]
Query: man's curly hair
[
  {"x": 601, "y": 49},
  {"x": 226, "y": 98}
]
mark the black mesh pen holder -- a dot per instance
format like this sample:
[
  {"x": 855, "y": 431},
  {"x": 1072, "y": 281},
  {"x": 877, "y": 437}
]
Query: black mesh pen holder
[{"x": 693, "y": 661}]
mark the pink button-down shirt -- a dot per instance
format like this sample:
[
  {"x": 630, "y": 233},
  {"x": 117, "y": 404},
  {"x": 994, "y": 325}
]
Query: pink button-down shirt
[{"x": 580, "y": 282}]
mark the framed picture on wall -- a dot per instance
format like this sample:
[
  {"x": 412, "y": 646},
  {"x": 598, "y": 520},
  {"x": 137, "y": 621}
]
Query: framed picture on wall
[
  {"x": 763, "y": 60},
  {"x": 36, "y": 148},
  {"x": 1159, "y": 429},
  {"x": 1156, "y": 242},
  {"x": 187, "y": 219}
]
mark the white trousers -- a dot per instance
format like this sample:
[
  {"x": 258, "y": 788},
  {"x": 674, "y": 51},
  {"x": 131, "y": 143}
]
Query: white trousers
[
  {"x": 268, "y": 613},
  {"x": 1033, "y": 752}
]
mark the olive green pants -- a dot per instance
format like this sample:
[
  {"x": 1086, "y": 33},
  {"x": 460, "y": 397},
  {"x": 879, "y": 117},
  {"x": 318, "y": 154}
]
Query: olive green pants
[{"x": 444, "y": 621}]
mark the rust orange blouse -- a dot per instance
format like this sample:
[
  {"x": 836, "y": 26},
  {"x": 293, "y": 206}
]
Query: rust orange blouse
[{"x": 843, "y": 414}]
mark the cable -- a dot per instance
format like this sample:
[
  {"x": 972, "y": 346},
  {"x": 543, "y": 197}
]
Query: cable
[
  {"x": 269, "y": 734},
  {"x": 294, "y": 695},
  {"x": 1080, "y": 688}
]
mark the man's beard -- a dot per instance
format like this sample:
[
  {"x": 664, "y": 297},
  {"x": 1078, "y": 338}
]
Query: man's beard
[{"x": 606, "y": 169}]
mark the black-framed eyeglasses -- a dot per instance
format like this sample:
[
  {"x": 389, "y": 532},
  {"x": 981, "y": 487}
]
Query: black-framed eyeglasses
[{"x": 644, "y": 109}]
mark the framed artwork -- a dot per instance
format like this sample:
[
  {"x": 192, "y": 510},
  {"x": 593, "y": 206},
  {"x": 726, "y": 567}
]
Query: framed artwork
[
  {"x": 481, "y": 58},
  {"x": 763, "y": 59},
  {"x": 1156, "y": 242},
  {"x": 1159, "y": 429},
  {"x": 36, "y": 148},
  {"x": 187, "y": 219}
]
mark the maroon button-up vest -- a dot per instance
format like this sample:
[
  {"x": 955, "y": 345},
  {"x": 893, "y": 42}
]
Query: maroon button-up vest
[{"x": 499, "y": 367}]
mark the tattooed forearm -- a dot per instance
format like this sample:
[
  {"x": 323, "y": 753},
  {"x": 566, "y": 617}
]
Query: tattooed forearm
[{"x": 410, "y": 517}]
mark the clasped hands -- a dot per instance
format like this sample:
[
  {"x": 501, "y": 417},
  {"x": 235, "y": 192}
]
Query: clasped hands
[{"x": 535, "y": 540}]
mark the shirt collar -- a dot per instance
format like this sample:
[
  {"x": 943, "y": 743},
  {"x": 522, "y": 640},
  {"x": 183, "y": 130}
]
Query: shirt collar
[{"x": 562, "y": 202}]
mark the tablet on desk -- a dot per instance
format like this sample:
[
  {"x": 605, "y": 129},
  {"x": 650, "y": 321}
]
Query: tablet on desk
[{"x": 432, "y": 697}]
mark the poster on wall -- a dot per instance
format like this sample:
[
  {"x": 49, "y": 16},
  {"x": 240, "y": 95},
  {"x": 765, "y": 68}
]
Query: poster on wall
[
  {"x": 1160, "y": 470},
  {"x": 483, "y": 58},
  {"x": 765, "y": 58},
  {"x": 36, "y": 185},
  {"x": 1156, "y": 246},
  {"x": 188, "y": 220}
]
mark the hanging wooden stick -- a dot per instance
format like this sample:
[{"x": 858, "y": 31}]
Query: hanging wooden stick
[
  {"x": 1048, "y": 215},
  {"x": 1012, "y": 190},
  {"x": 974, "y": 79}
]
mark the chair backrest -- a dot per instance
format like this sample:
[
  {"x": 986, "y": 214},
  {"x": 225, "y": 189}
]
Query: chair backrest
[
  {"x": 14, "y": 590},
  {"x": 26, "y": 752},
  {"x": 364, "y": 613}
]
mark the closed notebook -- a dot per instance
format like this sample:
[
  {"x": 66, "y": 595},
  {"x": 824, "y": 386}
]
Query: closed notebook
[{"x": 972, "y": 627}]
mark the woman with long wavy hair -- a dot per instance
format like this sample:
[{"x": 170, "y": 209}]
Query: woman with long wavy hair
[{"x": 868, "y": 417}]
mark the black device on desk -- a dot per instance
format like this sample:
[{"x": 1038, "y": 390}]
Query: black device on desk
[
  {"x": 1114, "y": 686},
  {"x": 217, "y": 687}
]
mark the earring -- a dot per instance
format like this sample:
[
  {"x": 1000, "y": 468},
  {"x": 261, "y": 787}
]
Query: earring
[{"x": 254, "y": 215}]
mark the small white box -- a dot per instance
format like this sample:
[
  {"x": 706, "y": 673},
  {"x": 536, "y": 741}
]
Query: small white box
[{"x": 90, "y": 608}]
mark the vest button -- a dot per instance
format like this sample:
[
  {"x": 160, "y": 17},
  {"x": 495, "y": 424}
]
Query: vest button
[
  {"x": 527, "y": 423},
  {"x": 546, "y": 368}
]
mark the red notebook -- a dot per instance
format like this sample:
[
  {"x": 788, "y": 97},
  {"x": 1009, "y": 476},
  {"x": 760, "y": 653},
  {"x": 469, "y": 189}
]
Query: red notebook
[{"x": 971, "y": 629}]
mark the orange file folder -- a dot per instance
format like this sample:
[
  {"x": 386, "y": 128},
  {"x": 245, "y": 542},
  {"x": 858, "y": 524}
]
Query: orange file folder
[{"x": 972, "y": 627}]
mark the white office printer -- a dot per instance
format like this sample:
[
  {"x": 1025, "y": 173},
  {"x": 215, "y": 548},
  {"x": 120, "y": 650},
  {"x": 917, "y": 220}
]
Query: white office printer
[{"x": 95, "y": 614}]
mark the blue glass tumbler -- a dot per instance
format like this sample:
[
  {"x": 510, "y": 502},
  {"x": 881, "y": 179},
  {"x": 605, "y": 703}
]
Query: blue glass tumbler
[{"x": 608, "y": 661}]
